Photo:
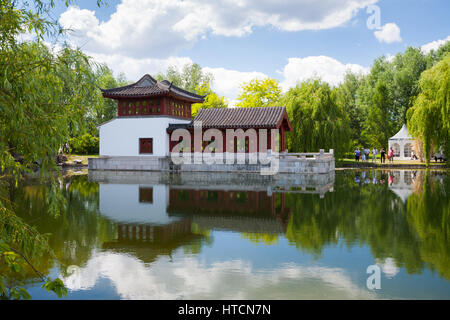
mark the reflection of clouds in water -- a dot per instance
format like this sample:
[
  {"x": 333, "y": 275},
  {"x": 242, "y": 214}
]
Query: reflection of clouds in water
[
  {"x": 388, "y": 267},
  {"x": 187, "y": 278}
]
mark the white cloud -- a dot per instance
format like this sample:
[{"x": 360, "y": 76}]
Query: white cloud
[
  {"x": 227, "y": 82},
  {"x": 388, "y": 33},
  {"x": 390, "y": 57},
  {"x": 188, "y": 278},
  {"x": 135, "y": 68},
  {"x": 143, "y": 36},
  {"x": 143, "y": 28},
  {"x": 328, "y": 69},
  {"x": 426, "y": 48},
  {"x": 26, "y": 36}
]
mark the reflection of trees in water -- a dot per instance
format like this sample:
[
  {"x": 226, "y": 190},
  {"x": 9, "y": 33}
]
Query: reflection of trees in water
[
  {"x": 257, "y": 238},
  {"x": 415, "y": 234},
  {"x": 78, "y": 229},
  {"x": 428, "y": 212}
]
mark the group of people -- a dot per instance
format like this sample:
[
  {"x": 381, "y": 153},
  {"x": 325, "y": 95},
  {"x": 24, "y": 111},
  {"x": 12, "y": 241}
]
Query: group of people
[{"x": 365, "y": 153}]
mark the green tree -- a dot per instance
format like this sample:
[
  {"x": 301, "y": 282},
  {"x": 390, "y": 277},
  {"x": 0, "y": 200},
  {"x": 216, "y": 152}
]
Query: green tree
[
  {"x": 79, "y": 88},
  {"x": 193, "y": 79},
  {"x": 38, "y": 110},
  {"x": 105, "y": 79},
  {"x": 259, "y": 93},
  {"x": 378, "y": 127},
  {"x": 190, "y": 78},
  {"x": 318, "y": 121},
  {"x": 212, "y": 100},
  {"x": 382, "y": 70},
  {"x": 434, "y": 56},
  {"x": 347, "y": 94},
  {"x": 429, "y": 118},
  {"x": 408, "y": 67}
]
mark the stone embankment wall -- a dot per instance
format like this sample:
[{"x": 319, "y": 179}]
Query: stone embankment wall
[{"x": 318, "y": 163}]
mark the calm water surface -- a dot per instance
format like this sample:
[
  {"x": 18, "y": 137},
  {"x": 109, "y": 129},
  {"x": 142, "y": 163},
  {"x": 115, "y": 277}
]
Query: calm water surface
[{"x": 197, "y": 236}]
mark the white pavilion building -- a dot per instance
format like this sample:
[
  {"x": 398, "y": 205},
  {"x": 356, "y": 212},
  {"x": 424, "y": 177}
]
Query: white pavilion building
[{"x": 402, "y": 143}]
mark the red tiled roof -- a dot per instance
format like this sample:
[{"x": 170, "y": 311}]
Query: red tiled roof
[
  {"x": 223, "y": 118},
  {"x": 148, "y": 86}
]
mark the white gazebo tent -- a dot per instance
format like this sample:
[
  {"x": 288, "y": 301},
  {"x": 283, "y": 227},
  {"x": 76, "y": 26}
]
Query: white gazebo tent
[{"x": 402, "y": 143}]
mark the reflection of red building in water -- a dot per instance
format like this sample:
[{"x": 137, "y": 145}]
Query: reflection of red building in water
[
  {"x": 188, "y": 210},
  {"x": 244, "y": 211},
  {"x": 153, "y": 233},
  {"x": 148, "y": 242}
]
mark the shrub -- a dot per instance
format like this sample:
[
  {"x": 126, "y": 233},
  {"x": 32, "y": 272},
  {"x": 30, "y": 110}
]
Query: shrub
[{"x": 86, "y": 144}]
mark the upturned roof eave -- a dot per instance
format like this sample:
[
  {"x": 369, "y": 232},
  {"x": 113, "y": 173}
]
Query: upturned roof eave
[
  {"x": 165, "y": 87},
  {"x": 139, "y": 96}
]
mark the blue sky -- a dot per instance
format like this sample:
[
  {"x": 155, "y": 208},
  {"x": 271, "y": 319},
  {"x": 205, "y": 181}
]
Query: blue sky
[{"x": 237, "y": 40}]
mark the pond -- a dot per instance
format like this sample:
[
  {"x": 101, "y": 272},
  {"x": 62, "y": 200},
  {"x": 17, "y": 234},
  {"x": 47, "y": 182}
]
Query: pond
[{"x": 131, "y": 235}]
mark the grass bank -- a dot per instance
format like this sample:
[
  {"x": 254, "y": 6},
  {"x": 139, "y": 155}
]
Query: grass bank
[
  {"x": 398, "y": 164},
  {"x": 74, "y": 159}
]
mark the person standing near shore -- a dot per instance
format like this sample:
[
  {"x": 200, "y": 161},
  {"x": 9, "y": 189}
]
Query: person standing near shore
[
  {"x": 367, "y": 153},
  {"x": 391, "y": 155},
  {"x": 383, "y": 155},
  {"x": 357, "y": 154},
  {"x": 374, "y": 155}
]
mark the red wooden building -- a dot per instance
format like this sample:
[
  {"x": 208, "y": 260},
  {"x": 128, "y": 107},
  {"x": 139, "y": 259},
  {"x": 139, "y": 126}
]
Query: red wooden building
[
  {"x": 149, "y": 112},
  {"x": 223, "y": 119}
]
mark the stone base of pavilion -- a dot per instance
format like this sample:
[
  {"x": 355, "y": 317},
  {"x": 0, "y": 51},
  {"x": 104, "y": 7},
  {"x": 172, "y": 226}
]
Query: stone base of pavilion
[
  {"x": 280, "y": 183},
  {"x": 266, "y": 164}
]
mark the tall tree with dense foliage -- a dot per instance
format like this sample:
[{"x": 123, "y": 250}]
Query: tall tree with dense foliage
[
  {"x": 259, "y": 93},
  {"x": 408, "y": 67},
  {"x": 107, "y": 108},
  {"x": 347, "y": 98},
  {"x": 429, "y": 118},
  {"x": 318, "y": 121},
  {"x": 212, "y": 100},
  {"x": 378, "y": 126},
  {"x": 434, "y": 56},
  {"x": 193, "y": 79},
  {"x": 190, "y": 78},
  {"x": 38, "y": 110},
  {"x": 382, "y": 71}
]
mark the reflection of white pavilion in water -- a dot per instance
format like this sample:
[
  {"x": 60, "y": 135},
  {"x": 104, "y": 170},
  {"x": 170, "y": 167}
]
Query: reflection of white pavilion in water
[
  {"x": 402, "y": 143},
  {"x": 135, "y": 203},
  {"x": 402, "y": 183},
  {"x": 154, "y": 206},
  {"x": 143, "y": 210}
]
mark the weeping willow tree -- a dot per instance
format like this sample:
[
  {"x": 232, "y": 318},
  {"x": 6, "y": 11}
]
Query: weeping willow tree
[
  {"x": 429, "y": 118},
  {"x": 43, "y": 98},
  {"x": 318, "y": 121}
]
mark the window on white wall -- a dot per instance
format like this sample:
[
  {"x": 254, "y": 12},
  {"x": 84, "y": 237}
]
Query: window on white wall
[{"x": 146, "y": 145}]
